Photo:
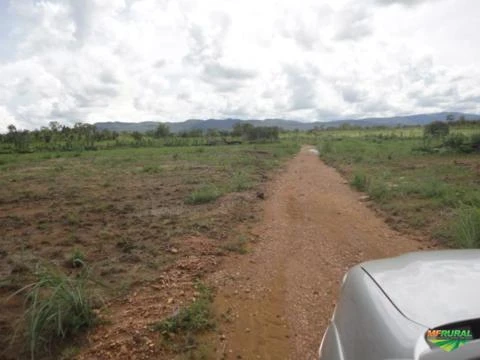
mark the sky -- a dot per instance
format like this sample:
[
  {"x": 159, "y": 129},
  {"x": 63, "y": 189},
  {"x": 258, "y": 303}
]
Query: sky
[{"x": 171, "y": 60}]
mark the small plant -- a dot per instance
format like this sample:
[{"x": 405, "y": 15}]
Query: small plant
[
  {"x": 466, "y": 227},
  {"x": 238, "y": 245},
  {"x": 240, "y": 182},
  {"x": 359, "y": 182},
  {"x": 189, "y": 321},
  {"x": 203, "y": 195},
  {"x": 57, "y": 306},
  {"x": 76, "y": 259}
]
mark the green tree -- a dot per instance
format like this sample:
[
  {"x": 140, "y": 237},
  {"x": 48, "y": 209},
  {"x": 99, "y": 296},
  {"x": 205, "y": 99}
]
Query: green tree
[
  {"x": 161, "y": 131},
  {"x": 19, "y": 139},
  {"x": 436, "y": 129}
]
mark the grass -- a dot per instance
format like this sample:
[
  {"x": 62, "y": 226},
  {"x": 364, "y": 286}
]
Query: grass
[
  {"x": 57, "y": 306},
  {"x": 466, "y": 228},
  {"x": 179, "y": 331},
  {"x": 240, "y": 182},
  {"x": 203, "y": 195},
  {"x": 237, "y": 245},
  {"x": 359, "y": 182},
  {"x": 419, "y": 190}
]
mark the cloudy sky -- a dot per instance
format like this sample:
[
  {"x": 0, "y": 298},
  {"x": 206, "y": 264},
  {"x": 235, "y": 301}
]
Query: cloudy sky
[{"x": 171, "y": 60}]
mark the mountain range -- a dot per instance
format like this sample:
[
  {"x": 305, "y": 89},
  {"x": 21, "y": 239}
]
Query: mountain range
[{"x": 227, "y": 124}]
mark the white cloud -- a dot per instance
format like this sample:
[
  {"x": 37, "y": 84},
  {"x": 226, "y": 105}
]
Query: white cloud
[{"x": 134, "y": 60}]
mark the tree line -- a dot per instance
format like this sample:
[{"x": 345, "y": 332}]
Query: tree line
[{"x": 81, "y": 136}]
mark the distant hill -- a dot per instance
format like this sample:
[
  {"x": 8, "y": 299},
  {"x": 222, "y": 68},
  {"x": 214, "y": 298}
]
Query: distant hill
[{"x": 227, "y": 124}]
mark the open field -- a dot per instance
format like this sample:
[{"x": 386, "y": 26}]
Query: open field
[
  {"x": 431, "y": 193},
  {"x": 123, "y": 212},
  {"x": 127, "y": 233}
]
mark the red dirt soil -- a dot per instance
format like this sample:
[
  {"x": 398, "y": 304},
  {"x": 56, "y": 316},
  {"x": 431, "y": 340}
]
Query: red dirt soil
[{"x": 280, "y": 297}]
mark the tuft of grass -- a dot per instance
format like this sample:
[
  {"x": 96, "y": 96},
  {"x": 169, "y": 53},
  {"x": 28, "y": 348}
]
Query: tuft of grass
[
  {"x": 240, "y": 182},
  {"x": 195, "y": 318},
  {"x": 327, "y": 147},
  {"x": 57, "y": 306},
  {"x": 238, "y": 245},
  {"x": 359, "y": 181},
  {"x": 379, "y": 190},
  {"x": 466, "y": 227},
  {"x": 203, "y": 195},
  {"x": 152, "y": 169}
]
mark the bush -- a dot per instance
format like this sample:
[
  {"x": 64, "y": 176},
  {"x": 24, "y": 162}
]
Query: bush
[
  {"x": 475, "y": 141},
  {"x": 455, "y": 141},
  {"x": 203, "y": 195},
  {"x": 466, "y": 228},
  {"x": 436, "y": 129},
  {"x": 57, "y": 306}
]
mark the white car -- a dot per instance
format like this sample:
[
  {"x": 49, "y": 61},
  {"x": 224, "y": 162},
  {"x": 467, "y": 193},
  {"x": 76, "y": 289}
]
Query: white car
[{"x": 418, "y": 306}]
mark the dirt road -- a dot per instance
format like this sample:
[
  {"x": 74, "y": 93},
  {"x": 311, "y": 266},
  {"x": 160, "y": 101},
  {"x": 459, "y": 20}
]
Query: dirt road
[{"x": 276, "y": 301}]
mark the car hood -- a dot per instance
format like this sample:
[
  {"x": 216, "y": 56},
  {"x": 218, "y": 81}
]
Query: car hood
[{"x": 432, "y": 288}]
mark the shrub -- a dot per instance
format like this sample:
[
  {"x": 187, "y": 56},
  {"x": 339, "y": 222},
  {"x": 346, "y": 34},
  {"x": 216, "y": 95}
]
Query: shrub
[
  {"x": 436, "y": 129},
  {"x": 57, "y": 306},
  {"x": 455, "y": 141},
  {"x": 475, "y": 141},
  {"x": 466, "y": 227},
  {"x": 203, "y": 195}
]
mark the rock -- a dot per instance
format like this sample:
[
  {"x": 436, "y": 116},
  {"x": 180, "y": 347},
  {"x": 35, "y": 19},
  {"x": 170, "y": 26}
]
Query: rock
[
  {"x": 260, "y": 195},
  {"x": 174, "y": 250},
  {"x": 223, "y": 337}
]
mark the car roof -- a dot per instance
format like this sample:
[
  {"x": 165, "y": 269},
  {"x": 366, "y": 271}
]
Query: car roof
[{"x": 432, "y": 288}]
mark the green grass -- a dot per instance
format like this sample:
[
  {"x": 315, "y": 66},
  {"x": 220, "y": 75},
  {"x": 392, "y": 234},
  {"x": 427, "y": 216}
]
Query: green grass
[
  {"x": 420, "y": 190},
  {"x": 466, "y": 228},
  {"x": 195, "y": 318},
  {"x": 240, "y": 181},
  {"x": 359, "y": 182},
  {"x": 57, "y": 306},
  {"x": 203, "y": 195}
]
